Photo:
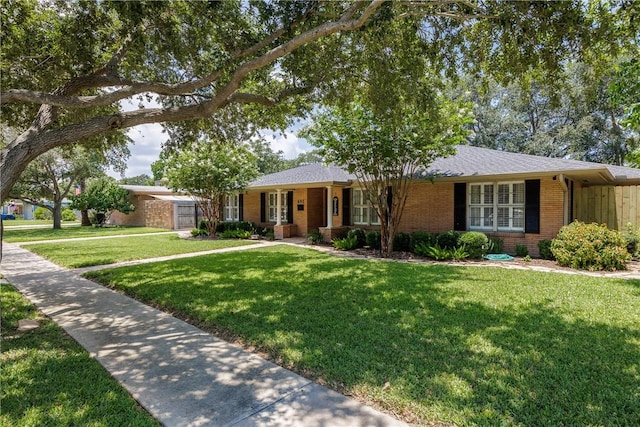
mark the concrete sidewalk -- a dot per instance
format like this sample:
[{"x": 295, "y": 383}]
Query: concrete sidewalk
[{"x": 180, "y": 374}]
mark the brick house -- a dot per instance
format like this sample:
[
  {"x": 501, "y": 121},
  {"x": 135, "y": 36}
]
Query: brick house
[{"x": 520, "y": 198}]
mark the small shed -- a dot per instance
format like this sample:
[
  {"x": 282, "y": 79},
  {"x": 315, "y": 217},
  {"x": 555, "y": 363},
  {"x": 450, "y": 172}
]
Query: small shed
[{"x": 159, "y": 207}]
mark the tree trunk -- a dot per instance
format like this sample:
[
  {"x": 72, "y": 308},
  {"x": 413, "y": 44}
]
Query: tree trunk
[
  {"x": 86, "y": 222},
  {"x": 57, "y": 215}
]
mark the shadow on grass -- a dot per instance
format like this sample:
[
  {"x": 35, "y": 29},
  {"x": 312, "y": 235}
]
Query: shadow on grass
[{"x": 407, "y": 336}]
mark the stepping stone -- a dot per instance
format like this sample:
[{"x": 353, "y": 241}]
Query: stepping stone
[{"x": 27, "y": 325}]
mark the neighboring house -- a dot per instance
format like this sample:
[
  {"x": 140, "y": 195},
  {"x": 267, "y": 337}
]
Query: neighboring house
[
  {"x": 157, "y": 206},
  {"x": 520, "y": 198}
]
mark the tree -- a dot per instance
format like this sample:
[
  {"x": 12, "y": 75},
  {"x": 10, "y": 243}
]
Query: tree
[
  {"x": 208, "y": 172},
  {"x": 268, "y": 160},
  {"x": 387, "y": 153},
  {"x": 216, "y": 63},
  {"x": 102, "y": 197},
  {"x": 579, "y": 122},
  {"x": 625, "y": 91},
  {"x": 49, "y": 179},
  {"x": 142, "y": 179}
]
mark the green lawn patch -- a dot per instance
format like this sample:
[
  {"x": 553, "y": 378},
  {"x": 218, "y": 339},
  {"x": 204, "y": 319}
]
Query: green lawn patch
[
  {"x": 36, "y": 234},
  {"x": 435, "y": 343},
  {"x": 108, "y": 251},
  {"x": 17, "y": 222},
  {"x": 49, "y": 380}
]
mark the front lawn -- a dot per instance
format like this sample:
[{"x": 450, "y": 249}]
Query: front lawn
[
  {"x": 427, "y": 343},
  {"x": 38, "y": 222},
  {"x": 108, "y": 251},
  {"x": 36, "y": 234},
  {"x": 49, "y": 380}
]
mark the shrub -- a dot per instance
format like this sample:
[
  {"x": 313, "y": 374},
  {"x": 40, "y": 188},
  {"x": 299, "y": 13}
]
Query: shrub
[
  {"x": 374, "y": 239},
  {"x": 346, "y": 244},
  {"x": 269, "y": 234},
  {"x": 522, "y": 251},
  {"x": 402, "y": 242},
  {"x": 633, "y": 240},
  {"x": 236, "y": 234},
  {"x": 42, "y": 213},
  {"x": 315, "y": 237},
  {"x": 448, "y": 239},
  {"x": 198, "y": 232},
  {"x": 544, "y": 247},
  {"x": 234, "y": 225},
  {"x": 421, "y": 237},
  {"x": 439, "y": 253},
  {"x": 69, "y": 215},
  {"x": 590, "y": 247},
  {"x": 422, "y": 249},
  {"x": 475, "y": 243},
  {"x": 360, "y": 236},
  {"x": 495, "y": 245},
  {"x": 459, "y": 253}
]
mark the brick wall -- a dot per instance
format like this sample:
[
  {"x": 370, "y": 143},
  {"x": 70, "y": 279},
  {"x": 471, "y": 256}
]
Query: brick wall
[
  {"x": 158, "y": 213},
  {"x": 135, "y": 218}
]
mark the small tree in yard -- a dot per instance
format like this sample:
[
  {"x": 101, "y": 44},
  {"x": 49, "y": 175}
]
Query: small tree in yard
[
  {"x": 102, "y": 197},
  {"x": 208, "y": 172},
  {"x": 386, "y": 152}
]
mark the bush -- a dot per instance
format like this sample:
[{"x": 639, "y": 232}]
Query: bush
[
  {"x": 402, "y": 242},
  {"x": 360, "y": 236},
  {"x": 234, "y": 225},
  {"x": 522, "y": 251},
  {"x": 633, "y": 240},
  {"x": 475, "y": 243},
  {"x": 590, "y": 247},
  {"x": 374, "y": 239},
  {"x": 269, "y": 234},
  {"x": 196, "y": 232},
  {"x": 448, "y": 239},
  {"x": 495, "y": 245},
  {"x": 236, "y": 234},
  {"x": 421, "y": 237},
  {"x": 439, "y": 253},
  {"x": 346, "y": 244},
  {"x": 315, "y": 237},
  {"x": 544, "y": 247},
  {"x": 42, "y": 213},
  {"x": 69, "y": 215}
]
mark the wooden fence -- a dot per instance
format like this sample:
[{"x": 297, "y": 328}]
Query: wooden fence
[{"x": 615, "y": 206}]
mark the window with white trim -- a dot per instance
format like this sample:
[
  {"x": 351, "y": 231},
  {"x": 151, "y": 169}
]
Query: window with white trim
[
  {"x": 273, "y": 206},
  {"x": 363, "y": 213},
  {"x": 497, "y": 206},
  {"x": 232, "y": 207}
]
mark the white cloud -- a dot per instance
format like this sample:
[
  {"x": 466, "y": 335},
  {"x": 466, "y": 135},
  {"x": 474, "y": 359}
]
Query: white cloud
[{"x": 288, "y": 143}]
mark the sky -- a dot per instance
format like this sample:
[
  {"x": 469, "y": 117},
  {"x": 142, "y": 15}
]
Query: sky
[{"x": 148, "y": 140}]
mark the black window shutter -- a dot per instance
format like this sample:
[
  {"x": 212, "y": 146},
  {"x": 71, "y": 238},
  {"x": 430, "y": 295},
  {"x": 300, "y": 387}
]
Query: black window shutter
[
  {"x": 241, "y": 207},
  {"x": 290, "y": 207},
  {"x": 263, "y": 207},
  {"x": 460, "y": 206},
  {"x": 532, "y": 206},
  {"x": 346, "y": 206}
]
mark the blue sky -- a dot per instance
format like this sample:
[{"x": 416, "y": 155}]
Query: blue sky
[{"x": 148, "y": 140}]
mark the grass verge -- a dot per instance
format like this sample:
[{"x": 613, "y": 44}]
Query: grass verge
[
  {"x": 86, "y": 253},
  {"x": 20, "y": 222},
  {"x": 49, "y": 380},
  {"x": 36, "y": 234},
  {"x": 427, "y": 343}
]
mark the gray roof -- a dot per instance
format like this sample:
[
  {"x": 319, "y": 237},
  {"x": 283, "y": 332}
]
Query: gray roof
[
  {"x": 469, "y": 163},
  {"x": 315, "y": 173},
  {"x": 154, "y": 189},
  {"x": 472, "y": 161}
]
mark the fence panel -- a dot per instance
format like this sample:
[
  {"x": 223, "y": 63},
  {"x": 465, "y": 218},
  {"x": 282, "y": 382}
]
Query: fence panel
[{"x": 615, "y": 206}]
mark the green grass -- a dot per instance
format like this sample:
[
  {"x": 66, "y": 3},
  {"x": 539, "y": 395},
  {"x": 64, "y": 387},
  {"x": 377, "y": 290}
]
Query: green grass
[
  {"x": 16, "y": 222},
  {"x": 36, "y": 234},
  {"x": 86, "y": 253},
  {"x": 49, "y": 380},
  {"x": 433, "y": 343}
]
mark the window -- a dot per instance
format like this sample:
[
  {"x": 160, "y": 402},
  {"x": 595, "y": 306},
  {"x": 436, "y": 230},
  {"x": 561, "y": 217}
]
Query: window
[
  {"x": 273, "y": 207},
  {"x": 496, "y": 206},
  {"x": 232, "y": 208},
  {"x": 363, "y": 212}
]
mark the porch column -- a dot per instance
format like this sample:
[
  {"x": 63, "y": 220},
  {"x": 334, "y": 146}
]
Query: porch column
[
  {"x": 279, "y": 207},
  {"x": 329, "y": 207}
]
